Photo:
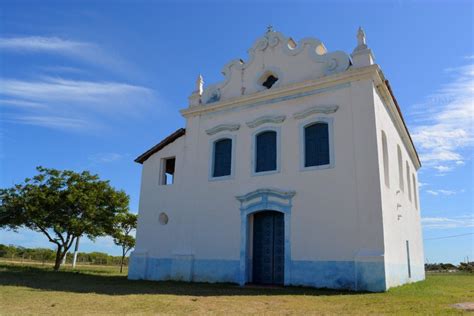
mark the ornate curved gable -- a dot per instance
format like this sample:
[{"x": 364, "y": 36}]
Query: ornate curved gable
[{"x": 280, "y": 57}]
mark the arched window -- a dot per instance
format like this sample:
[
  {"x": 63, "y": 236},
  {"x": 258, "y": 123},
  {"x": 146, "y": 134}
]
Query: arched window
[
  {"x": 415, "y": 189},
  {"x": 316, "y": 144},
  {"x": 222, "y": 157},
  {"x": 400, "y": 169},
  {"x": 386, "y": 171},
  {"x": 266, "y": 151},
  {"x": 408, "y": 181}
]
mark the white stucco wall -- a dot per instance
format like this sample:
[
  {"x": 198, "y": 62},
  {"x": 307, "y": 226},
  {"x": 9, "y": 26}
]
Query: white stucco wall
[{"x": 402, "y": 216}]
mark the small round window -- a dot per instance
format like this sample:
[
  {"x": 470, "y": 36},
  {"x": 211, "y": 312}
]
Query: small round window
[{"x": 163, "y": 219}]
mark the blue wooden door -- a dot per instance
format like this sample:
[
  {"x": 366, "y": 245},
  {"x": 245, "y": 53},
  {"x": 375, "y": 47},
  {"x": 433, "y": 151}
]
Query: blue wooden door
[{"x": 268, "y": 248}]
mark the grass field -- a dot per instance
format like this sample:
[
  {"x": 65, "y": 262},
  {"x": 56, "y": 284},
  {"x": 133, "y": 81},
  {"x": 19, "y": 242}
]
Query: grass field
[{"x": 36, "y": 289}]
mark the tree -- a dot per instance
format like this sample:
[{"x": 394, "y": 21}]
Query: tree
[
  {"x": 124, "y": 224},
  {"x": 62, "y": 205}
]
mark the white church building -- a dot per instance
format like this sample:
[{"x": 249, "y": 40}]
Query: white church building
[{"x": 296, "y": 169}]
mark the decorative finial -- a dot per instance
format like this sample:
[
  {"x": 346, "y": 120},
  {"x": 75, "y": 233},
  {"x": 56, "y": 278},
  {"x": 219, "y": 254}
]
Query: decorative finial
[
  {"x": 269, "y": 28},
  {"x": 199, "y": 84},
  {"x": 361, "y": 42},
  {"x": 362, "y": 55}
]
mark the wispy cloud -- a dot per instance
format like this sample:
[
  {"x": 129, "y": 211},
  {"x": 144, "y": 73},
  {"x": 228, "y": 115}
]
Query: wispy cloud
[
  {"x": 56, "y": 122},
  {"x": 446, "y": 223},
  {"x": 105, "y": 157},
  {"x": 444, "y": 192},
  {"x": 445, "y": 122},
  {"x": 64, "y": 103},
  {"x": 80, "y": 50},
  {"x": 43, "y": 44},
  {"x": 73, "y": 104},
  {"x": 58, "y": 89},
  {"x": 19, "y": 103}
]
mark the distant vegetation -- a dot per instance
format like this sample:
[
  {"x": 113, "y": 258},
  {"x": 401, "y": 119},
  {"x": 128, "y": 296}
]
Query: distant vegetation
[
  {"x": 449, "y": 267},
  {"x": 45, "y": 255}
]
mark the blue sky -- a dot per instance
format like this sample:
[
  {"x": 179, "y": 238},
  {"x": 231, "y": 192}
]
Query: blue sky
[{"x": 91, "y": 85}]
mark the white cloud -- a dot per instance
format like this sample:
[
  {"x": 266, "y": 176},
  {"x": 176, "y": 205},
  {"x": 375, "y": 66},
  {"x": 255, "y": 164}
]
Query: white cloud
[
  {"x": 80, "y": 50},
  {"x": 40, "y": 43},
  {"x": 445, "y": 222},
  {"x": 447, "y": 192},
  {"x": 73, "y": 104},
  {"x": 445, "y": 122},
  {"x": 443, "y": 169},
  {"x": 19, "y": 103},
  {"x": 443, "y": 192},
  {"x": 105, "y": 157},
  {"x": 57, "y": 89},
  {"x": 56, "y": 122}
]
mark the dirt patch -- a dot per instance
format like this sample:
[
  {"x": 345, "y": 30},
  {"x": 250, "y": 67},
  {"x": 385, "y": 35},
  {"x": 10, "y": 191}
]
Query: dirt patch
[{"x": 467, "y": 306}]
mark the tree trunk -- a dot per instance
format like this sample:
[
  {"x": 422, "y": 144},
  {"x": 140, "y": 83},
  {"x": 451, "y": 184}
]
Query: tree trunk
[
  {"x": 59, "y": 258},
  {"x": 121, "y": 263}
]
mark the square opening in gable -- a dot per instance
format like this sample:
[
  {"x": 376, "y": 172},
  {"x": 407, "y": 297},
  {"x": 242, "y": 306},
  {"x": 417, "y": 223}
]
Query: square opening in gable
[{"x": 269, "y": 81}]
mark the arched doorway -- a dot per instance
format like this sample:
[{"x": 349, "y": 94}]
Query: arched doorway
[{"x": 268, "y": 257}]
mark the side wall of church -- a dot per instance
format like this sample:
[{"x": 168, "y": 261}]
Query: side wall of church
[{"x": 404, "y": 258}]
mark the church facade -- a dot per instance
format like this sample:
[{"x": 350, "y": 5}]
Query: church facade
[{"x": 296, "y": 169}]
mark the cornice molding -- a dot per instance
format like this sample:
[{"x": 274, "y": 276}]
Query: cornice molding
[
  {"x": 222, "y": 127},
  {"x": 327, "y": 82},
  {"x": 276, "y": 119},
  {"x": 325, "y": 109}
]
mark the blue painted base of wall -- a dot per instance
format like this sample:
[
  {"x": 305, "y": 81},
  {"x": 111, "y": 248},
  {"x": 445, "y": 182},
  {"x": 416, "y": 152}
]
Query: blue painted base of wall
[
  {"x": 157, "y": 269},
  {"x": 350, "y": 275}
]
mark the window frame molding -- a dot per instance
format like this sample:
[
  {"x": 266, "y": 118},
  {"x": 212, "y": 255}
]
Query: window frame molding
[
  {"x": 212, "y": 142},
  {"x": 302, "y": 141},
  {"x": 253, "y": 151}
]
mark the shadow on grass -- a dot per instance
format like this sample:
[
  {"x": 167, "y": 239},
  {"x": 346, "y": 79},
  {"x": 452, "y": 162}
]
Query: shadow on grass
[{"x": 85, "y": 282}]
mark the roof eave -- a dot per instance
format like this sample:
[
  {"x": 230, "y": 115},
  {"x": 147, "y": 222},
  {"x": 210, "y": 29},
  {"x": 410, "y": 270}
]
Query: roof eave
[{"x": 165, "y": 142}]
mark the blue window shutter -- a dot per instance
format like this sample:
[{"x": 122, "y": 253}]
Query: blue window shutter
[
  {"x": 222, "y": 157},
  {"x": 316, "y": 144},
  {"x": 266, "y": 159}
]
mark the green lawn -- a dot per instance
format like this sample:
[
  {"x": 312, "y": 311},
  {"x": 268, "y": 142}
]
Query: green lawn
[{"x": 36, "y": 289}]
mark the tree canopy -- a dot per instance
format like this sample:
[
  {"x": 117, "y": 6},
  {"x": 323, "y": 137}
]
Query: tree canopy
[{"x": 63, "y": 205}]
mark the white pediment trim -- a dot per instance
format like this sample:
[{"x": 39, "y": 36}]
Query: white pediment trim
[
  {"x": 325, "y": 109},
  {"x": 276, "y": 119},
  {"x": 222, "y": 127},
  {"x": 282, "y": 194},
  {"x": 334, "y": 62}
]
